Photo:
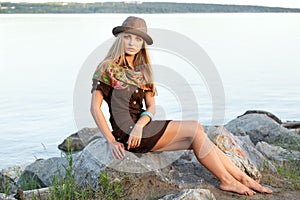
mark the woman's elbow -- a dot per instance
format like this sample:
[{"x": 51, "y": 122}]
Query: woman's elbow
[
  {"x": 96, "y": 102},
  {"x": 92, "y": 110}
]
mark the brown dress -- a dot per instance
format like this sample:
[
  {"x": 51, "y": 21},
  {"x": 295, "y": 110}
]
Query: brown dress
[{"x": 125, "y": 108}]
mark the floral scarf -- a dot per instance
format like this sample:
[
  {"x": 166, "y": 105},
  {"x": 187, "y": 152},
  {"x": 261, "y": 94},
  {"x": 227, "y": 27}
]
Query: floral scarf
[{"x": 119, "y": 77}]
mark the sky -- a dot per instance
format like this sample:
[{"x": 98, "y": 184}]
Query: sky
[{"x": 271, "y": 3}]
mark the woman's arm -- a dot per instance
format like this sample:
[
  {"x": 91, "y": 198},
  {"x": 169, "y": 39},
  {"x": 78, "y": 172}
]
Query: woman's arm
[
  {"x": 136, "y": 133},
  {"x": 150, "y": 107},
  {"x": 116, "y": 147}
]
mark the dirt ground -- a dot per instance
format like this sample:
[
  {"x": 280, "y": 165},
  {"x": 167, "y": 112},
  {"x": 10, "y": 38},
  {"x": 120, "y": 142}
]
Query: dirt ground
[
  {"x": 151, "y": 188},
  {"x": 283, "y": 189},
  {"x": 277, "y": 195}
]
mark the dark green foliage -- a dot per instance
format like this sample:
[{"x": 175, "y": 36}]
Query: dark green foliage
[
  {"x": 290, "y": 171},
  {"x": 145, "y": 7},
  {"x": 109, "y": 189}
]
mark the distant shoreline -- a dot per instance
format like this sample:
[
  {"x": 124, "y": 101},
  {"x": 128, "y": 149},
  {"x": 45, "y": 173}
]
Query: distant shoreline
[{"x": 142, "y": 8}]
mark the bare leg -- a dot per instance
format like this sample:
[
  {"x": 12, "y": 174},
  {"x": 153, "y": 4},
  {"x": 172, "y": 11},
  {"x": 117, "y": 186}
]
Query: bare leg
[
  {"x": 239, "y": 175},
  {"x": 182, "y": 135}
]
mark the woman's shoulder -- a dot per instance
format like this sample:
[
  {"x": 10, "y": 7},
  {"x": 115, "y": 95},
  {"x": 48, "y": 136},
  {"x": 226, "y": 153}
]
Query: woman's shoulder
[
  {"x": 103, "y": 67},
  {"x": 106, "y": 63}
]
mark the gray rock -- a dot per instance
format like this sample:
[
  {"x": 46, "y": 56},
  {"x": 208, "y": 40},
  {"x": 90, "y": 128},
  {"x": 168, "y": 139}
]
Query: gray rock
[
  {"x": 292, "y": 125},
  {"x": 245, "y": 143},
  {"x": 277, "y": 153},
  {"x": 90, "y": 162},
  {"x": 231, "y": 146},
  {"x": 7, "y": 197},
  {"x": 79, "y": 140},
  {"x": 255, "y": 156},
  {"x": 7, "y": 184},
  {"x": 186, "y": 174},
  {"x": 246, "y": 140},
  {"x": 191, "y": 194},
  {"x": 14, "y": 172},
  {"x": 260, "y": 127},
  {"x": 43, "y": 193},
  {"x": 40, "y": 173},
  {"x": 271, "y": 115},
  {"x": 209, "y": 130},
  {"x": 97, "y": 156},
  {"x": 9, "y": 178}
]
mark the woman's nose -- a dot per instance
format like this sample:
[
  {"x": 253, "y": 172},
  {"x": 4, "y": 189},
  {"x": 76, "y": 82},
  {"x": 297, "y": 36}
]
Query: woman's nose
[{"x": 131, "y": 42}]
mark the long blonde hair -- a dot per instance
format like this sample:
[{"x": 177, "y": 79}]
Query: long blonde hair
[{"x": 116, "y": 54}]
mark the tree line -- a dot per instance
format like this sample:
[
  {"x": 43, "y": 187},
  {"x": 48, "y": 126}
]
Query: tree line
[{"x": 145, "y": 7}]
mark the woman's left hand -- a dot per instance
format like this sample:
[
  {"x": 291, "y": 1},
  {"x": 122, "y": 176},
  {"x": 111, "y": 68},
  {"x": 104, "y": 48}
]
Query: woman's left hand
[{"x": 135, "y": 137}]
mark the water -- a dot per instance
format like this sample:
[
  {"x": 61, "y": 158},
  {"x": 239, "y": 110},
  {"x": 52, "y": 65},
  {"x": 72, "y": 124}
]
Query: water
[{"x": 256, "y": 55}]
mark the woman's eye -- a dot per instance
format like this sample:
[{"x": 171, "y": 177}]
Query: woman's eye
[
  {"x": 139, "y": 39},
  {"x": 126, "y": 36}
]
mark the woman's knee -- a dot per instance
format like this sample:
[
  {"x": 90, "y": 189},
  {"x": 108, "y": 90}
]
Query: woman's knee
[
  {"x": 200, "y": 127},
  {"x": 196, "y": 129}
]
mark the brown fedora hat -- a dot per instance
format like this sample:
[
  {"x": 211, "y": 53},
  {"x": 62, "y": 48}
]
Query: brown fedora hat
[{"x": 135, "y": 26}]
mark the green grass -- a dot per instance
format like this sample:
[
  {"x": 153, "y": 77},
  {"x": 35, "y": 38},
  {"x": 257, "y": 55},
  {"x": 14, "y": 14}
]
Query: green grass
[
  {"x": 65, "y": 188},
  {"x": 109, "y": 189},
  {"x": 5, "y": 188},
  {"x": 29, "y": 183},
  {"x": 288, "y": 142},
  {"x": 64, "y": 185},
  {"x": 290, "y": 171}
]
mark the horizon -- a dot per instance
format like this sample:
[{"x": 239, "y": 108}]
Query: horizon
[{"x": 268, "y": 3}]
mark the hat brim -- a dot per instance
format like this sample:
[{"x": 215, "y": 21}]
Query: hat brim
[{"x": 145, "y": 36}]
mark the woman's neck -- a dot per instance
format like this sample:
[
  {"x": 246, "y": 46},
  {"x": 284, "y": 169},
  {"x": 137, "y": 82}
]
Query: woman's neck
[{"x": 130, "y": 59}]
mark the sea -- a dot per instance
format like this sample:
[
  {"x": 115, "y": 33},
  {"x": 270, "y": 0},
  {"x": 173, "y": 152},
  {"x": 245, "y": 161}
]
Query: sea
[{"x": 207, "y": 67}]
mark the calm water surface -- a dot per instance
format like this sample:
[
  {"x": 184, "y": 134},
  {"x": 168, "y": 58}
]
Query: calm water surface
[{"x": 256, "y": 55}]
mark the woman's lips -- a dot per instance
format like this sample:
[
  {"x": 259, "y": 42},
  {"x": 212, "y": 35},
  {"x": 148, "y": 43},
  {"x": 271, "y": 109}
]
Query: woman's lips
[{"x": 131, "y": 49}]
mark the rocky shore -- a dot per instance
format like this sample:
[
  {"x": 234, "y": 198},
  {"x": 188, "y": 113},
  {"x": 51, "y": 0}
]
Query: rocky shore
[{"x": 258, "y": 142}]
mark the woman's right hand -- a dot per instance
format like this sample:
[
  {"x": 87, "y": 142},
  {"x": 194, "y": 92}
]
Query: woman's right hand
[{"x": 117, "y": 149}]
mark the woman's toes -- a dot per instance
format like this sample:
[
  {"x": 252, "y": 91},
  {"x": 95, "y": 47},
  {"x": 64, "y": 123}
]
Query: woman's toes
[
  {"x": 267, "y": 190},
  {"x": 237, "y": 187}
]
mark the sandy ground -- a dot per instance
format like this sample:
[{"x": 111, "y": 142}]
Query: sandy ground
[
  {"x": 278, "y": 194},
  {"x": 149, "y": 187}
]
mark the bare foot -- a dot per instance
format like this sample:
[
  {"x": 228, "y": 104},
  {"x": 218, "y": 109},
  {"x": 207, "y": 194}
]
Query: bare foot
[
  {"x": 249, "y": 182},
  {"x": 236, "y": 187}
]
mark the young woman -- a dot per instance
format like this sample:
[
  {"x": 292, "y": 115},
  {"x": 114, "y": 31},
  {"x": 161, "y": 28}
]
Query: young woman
[{"x": 124, "y": 79}]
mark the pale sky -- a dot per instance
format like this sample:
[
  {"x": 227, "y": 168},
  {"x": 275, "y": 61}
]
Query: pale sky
[{"x": 271, "y": 3}]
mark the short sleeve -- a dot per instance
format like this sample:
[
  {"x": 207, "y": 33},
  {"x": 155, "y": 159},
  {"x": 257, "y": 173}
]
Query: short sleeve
[{"x": 98, "y": 85}]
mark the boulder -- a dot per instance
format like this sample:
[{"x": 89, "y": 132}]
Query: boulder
[
  {"x": 40, "y": 173},
  {"x": 291, "y": 124},
  {"x": 167, "y": 167},
  {"x": 43, "y": 193},
  {"x": 9, "y": 178},
  {"x": 14, "y": 172},
  {"x": 97, "y": 156},
  {"x": 79, "y": 140},
  {"x": 227, "y": 142},
  {"x": 271, "y": 115},
  {"x": 277, "y": 153},
  {"x": 255, "y": 156},
  {"x": 260, "y": 127},
  {"x": 7, "y": 184},
  {"x": 187, "y": 173},
  {"x": 191, "y": 194},
  {"x": 90, "y": 162},
  {"x": 7, "y": 197}
]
